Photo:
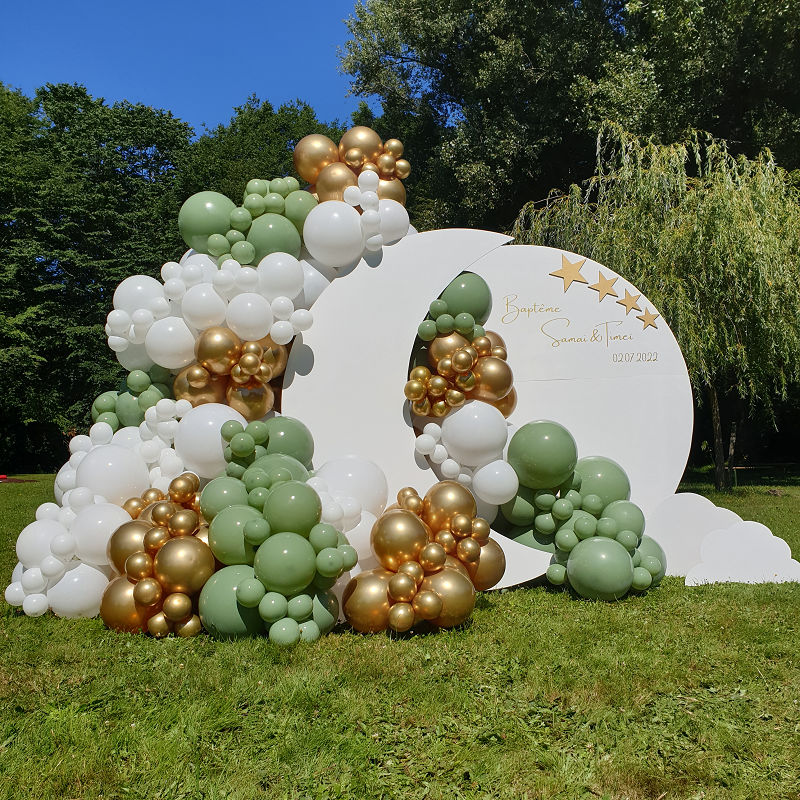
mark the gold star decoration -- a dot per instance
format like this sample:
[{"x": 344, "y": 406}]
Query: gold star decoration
[
  {"x": 569, "y": 272},
  {"x": 649, "y": 319},
  {"x": 630, "y": 301},
  {"x": 604, "y": 286}
]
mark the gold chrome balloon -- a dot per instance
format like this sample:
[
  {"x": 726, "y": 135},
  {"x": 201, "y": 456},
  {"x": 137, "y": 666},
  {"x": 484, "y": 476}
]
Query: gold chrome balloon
[
  {"x": 443, "y": 501},
  {"x": 162, "y": 511},
  {"x": 386, "y": 163},
  {"x": 444, "y": 347},
  {"x": 368, "y": 166},
  {"x": 446, "y": 540},
  {"x": 333, "y": 180},
  {"x": 427, "y": 604},
  {"x": 312, "y": 154},
  {"x": 457, "y": 593},
  {"x": 119, "y": 610},
  {"x": 365, "y": 601},
  {"x": 407, "y": 491},
  {"x": 198, "y": 386},
  {"x": 183, "y": 522},
  {"x": 500, "y": 352},
  {"x": 183, "y": 564},
  {"x": 507, "y": 404},
  {"x": 151, "y": 496},
  {"x": 401, "y": 617},
  {"x": 392, "y": 190},
  {"x": 134, "y": 506},
  {"x": 495, "y": 338},
  {"x": 188, "y": 628},
  {"x": 177, "y": 607},
  {"x": 125, "y": 541},
  {"x": 419, "y": 374},
  {"x": 365, "y": 139},
  {"x": 482, "y": 345},
  {"x": 397, "y": 537},
  {"x": 461, "y": 525},
  {"x": 493, "y": 379},
  {"x": 468, "y": 551},
  {"x": 251, "y": 402},
  {"x": 155, "y": 539},
  {"x": 218, "y": 349},
  {"x": 402, "y": 588},
  {"x": 412, "y": 569},
  {"x": 147, "y": 592},
  {"x": 402, "y": 168},
  {"x": 181, "y": 489},
  {"x": 415, "y": 390},
  {"x": 480, "y": 530},
  {"x": 432, "y": 557},
  {"x": 394, "y": 147},
  {"x": 354, "y": 158},
  {"x": 275, "y": 355},
  {"x": 138, "y": 566},
  {"x": 490, "y": 568},
  {"x": 453, "y": 563},
  {"x": 159, "y": 626}
]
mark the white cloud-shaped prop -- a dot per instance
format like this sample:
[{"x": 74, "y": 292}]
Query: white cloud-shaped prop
[{"x": 746, "y": 552}]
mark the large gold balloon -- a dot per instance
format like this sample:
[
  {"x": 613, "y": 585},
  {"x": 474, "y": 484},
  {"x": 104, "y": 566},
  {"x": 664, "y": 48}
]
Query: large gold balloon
[
  {"x": 490, "y": 568},
  {"x": 398, "y": 536},
  {"x": 218, "y": 350},
  {"x": 392, "y": 190},
  {"x": 252, "y": 403},
  {"x": 312, "y": 154},
  {"x": 443, "y": 501},
  {"x": 494, "y": 379},
  {"x": 365, "y": 139},
  {"x": 197, "y": 385},
  {"x": 457, "y": 593},
  {"x": 506, "y": 405},
  {"x": 453, "y": 563},
  {"x": 333, "y": 180},
  {"x": 444, "y": 347},
  {"x": 365, "y": 601},
  {"x": 119, "y": 610},
  {"x": 183, "y": 564},
  {"x": 125, "y": 541}
]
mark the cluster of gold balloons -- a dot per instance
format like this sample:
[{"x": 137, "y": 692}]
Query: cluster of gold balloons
[
  {"x": 331, "y": 168},
  {"x": 434, "y": 554},
  {"x": 162, "y": 559},
  {"x": 233, "y": 372},
  {"x": 462, "y": 370}
]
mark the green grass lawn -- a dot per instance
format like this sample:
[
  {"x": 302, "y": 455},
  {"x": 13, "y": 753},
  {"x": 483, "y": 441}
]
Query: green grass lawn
[{"x": 683, "y": 693}]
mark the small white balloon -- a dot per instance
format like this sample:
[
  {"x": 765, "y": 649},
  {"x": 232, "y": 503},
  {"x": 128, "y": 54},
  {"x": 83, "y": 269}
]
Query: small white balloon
[
  {"x": 136, "y": 292},
  {"x": 191, "y": 274},
  {"x": 127, "y": 437},
  {"x": 166, "y": 430},
  {"x": 80, "y": 443},
  {"x": 371, "y": 222},
  {"x": 159, "y": 307},
  {"x": 65, "y": 479},
  {"x": 202, "y": 306},
  {"x": 165, "y": 408},
  {"x": 118, "y": 322},
  {"x": 52, "y": 568},
  {"x": 424, "y": 444},
  {"x": 280, "y": 275},
  {"x": 450, "y": 468},
  {"x": 374, "y": 243},
  {"x": 368, "y": 181},
  {"x": 439, "y": 454},
  {"x": 394, "y": 220},
  {"x": 352, "y": 196},
  {"x": 34, "y": 605},
  {"x": 143, "y": 316},
  {"x": 247, "y": 279},
  {"x": 230, "y": 265},
  {"x": 282, "y": 308},
  {"x": 370, "y": 201},
  {"x": 33, "y": 582},
  {"x": 170, "y": 343},
  {"x": 101, "y": 433},
  {"x": 249, "y": 316},
  {"x": 118, "y": 344},
  {"x": 301, "y": 319},
  {"x": 80, "y": 498},
  {"x": 66, "y": 517},
  {"x": 282, "y": 331},
  {"x": 182, "y": 407},
  {"x": 47, "y": 511},
  {"x": 15, "y": 594},
  {"x": 496, "y": 482},
  {"x": 170, "y": 270},
  {"x": 434, "y": 430}
]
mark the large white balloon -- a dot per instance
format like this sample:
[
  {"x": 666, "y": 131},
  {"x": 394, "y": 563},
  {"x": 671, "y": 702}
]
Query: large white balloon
[
  {"x": 394, "y": 221},
  {"x": 92, "y": 529},
  {"x": 198, "y": 441},
  {"x": 137, "y": 292},
  {"x": 202, "y": 307},
  {"x": 474, "y": 434},
  {"x": 170, "y": 343},
  {"x": 332, "y": 233},
  {"x": 78, "y": 593},
  {"x": 356, "y": 477},
  {"x": 33, "y": 543},
  {"x": 249, "y": 316},
  {"x": 280, "y": 275},
  {"x": 495, "y": 483},
  {"x": 114, "y": 472}
]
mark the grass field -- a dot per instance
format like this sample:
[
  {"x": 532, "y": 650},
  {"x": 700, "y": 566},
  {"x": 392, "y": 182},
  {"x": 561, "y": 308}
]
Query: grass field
[{"x": 683, "y": 693}]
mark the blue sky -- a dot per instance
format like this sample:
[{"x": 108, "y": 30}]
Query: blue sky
[{"x": 197, "y": 59}]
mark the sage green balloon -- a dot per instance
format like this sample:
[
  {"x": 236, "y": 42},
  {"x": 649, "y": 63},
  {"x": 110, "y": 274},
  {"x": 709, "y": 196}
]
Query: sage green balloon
[
  {"x": 600, "y": 569},
  {"x": 201, "y": 215},
  {"x": 279, "y": 186},
  {"x": 272, "y": 462},
  {"x": 226, "y": 535},
  {"x": 300, "y": 607},
  {"x": 250, "y": 592},
  {"x": 149, "y": 397},
  {"x": 221, "y": 493},
  {"x": 273, "y": 606},
  {"x": 326, "y": 611},
  {"x": 649, "y": 547},
  {"x": 322, "y": 536},
  {"x": 256, "y": 205},
  {"x": 138, "y": 380},
  {"x": 284, "y": 632},
  {"x": 104, "y": 402},
  {"x": 274, "y": 203},
  {"x": 128, "y": 410},
  {"x": 110, "y": 418},
  {"x": 603, "y": 477},
  {"x": 234, "y": 236},
  {"x": 556, "y": 574},
  {"x": 218, "y": 245},
  {"x": 309, "y": 631},
  {"x": 243, "y": 252},
  {"x": 240, "y": 219},
  {"x": 628, "y": 516},
  {"x": 642, "y": 579},
  {"x": 543, "y": 454},
  {"x": 290, "y": 437},
  {"x": 222, "y": 615},
  {"x": 257, "y": 186},
  {"x": 272, "y": 233},
  {"x": 297, "y": 206},
  {"x": 285, "y": 563},
  {"x": 159, "y": 374},
  {"x": 470, "y": 294},
  {"x": 293, "y": 506}
]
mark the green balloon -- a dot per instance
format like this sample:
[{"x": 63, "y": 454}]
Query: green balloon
[
  {"x": 240, "y": 219},
  {"x": 330, "y": 562},
  {"x": 585, "y": 526},
  {"x": 297, "y": 206},
  {"x": 250, "y": 592},
  {"x": 201, "y": 215},
  {"x": 234, "y": 236},
  {"x": 110, "y": 418},
  {"x": 562, "y": 510},
  {"x": 427, "y": 330},
  {"x": 254, "y": 477},
  {"x": 235, "y": 470},
  {"x": 593, "y": 504},
  {"x": 159, "y": 374},
  {"x": 290, "y": 437},
  {"x": 544, "y": 499},
  {"x": 138, "y": 380},
  {"x": 293, "y": 506},
  {"x": 257, "y": 186},
  {"x": 607, "y": 527},
  {"x": 556, "y": 574},
  {"x": 285, "y": 632},
  {"x": 603, "y": 477},
  {"x": 218, "y": 245},
  {"x": 628, "y": 539},
  {"x": 437, "y": 308},
  {"x": 259, "y": 431},
  {"x": 242, "y": 444},
  {"x": 300, "y": 607},
  {"x": 600, "y": 569},
  {"x": 272, "y": 233},
  {"x": 469, "y": 293},
  {"x": 543, "y": 454},
  {"x": 274, "y": 203},
  {"x": 650, "y": 548},
  {"x": 349, "y": 556},
  {"x": 273, "y": 606},
  {"x": 309, "y": 631},
  {"x": 279, "y": 186},
  {"x": 642, "y": 579},
  {"x": 326, "y": 610},
  {"x": 243, "y": 252},
  {"x": 149, "y": 397},
  {"x": 257, "y": 497},
  {"x": 292, "y": 184},
  {"x": 566, "y": 540},
  {"x": 256, "y": 204},
  {"x": 275, "y": 461},
  {"x": 545, "y": 524},
  {"x": 465, "y": 323},
  {"x": 104, "y": 402},
  {"x": 226, "y": 535},
  {"x": 285, "y": 563},
  {"x": 445, "y": 323},
  {"x": 128, "y": 410},
  {"x": 322, "y": 536},
  {"x": 256, "y": 531},
  {"x": 627, "y": 515},
  {"x": 221, "y": 493},
  {"x": 222, "y": 615}
]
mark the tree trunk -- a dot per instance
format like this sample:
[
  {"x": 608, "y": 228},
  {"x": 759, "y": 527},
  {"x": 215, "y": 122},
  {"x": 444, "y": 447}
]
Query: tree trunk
[
  {"x": 732, "y": 452},
  {"x": 721, "y": 477}
]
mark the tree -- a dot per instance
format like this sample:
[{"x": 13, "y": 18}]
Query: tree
[{"x": 714, "y": 243}]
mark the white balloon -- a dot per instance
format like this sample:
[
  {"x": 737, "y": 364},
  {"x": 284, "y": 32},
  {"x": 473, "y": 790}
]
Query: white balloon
[
  {"x": 203, "y": 307},
  {"x": 424, "y": 444},
  {"x": 92, "y": 529},
  {"x": 159, "y": 307},
  {"x": 78, "y": 593},
  {"x": 359, "y": 537},
  {"x": 76, "y": 459},
  {"x": 34, "y": 605},
  {"x": 67, "y": 515},
  {"x": 249, "y": 316},
  {"x": 136, "y": 292},
  {"x": 128, "y": 436},
  {"x": 191, "y": 274},
  {"x": 474, "y": 434},
  {"x": 52, "y": 568},
  {"x": 394, "y": 221},
  {"x": 101, "y": 433},
  {"x": 368, "y": 181},
  {"x": 434, "y": 430},
  {"x": 15, "y": 594},
  {"x": 332, "y": 233},
  {"x": 358, "y": 478},
  {"x": 352, "y": 195},
  {"x": 450, "y": 469},
  {"x": 223, "y": 283},
  {"x": 208, "y": 266},
  {"x": 47, "y": 511},
  {"x": 33, "y": 582},
  {"x": 16, "y": 573},
  {"x": 371, "y": 222},
  {"x": 172, "y": 269},
  {"x": 314, "y": 284},
  {"x": 135, "y": 357},
  {"x": 174, "y": 289},
  {"x": 118, "y": 344},
  {"x": 247, "y": 279},
  {"x": 33, "y": 542},
  {"x": 496, "y": 482},
  {"x": 439, "y": 454},
  {"x": 114, "y": 472},
  {"x": 170, "y": 343},
  {"x": 282, "y": 332},
  {"x": 282, "y": 308},
  {"x": 374, "y": 242},
  {"x": 80, "y": 498},
  {"x": 280, "y": 275},
  {"x": 81, "y": 442},
  {"x": 301, "y": 319},
  {"x": 370, "y": 201},
  {"x": 118, "y": 322},
  {"x": 65, "y": 480},
  {"x": 198, "y": 441}
]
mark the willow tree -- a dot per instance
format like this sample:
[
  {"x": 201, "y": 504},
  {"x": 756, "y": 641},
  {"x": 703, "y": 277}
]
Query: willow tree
[{"x": 714, "y": 243}]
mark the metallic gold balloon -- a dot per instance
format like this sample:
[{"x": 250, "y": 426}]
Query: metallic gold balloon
[
  {"x": 462, "y": 361},
  {"x": 218, "y": 350},
  {"x": 155, "y": 539},
  {"x": 147, "y": 592},
  {"x": 162, "y": 511},
  {"x": 195, "y": 505},
  {"x": 238, "y": 376},
  {"x": 206, "y": 388},
  {"x": 251, "y": 402},
  {"x": 427, "y": 604},
  {"x": 490, "y": 568},
  {"x": 453, "y": 563},
  {"x": 443, "y": 501},
  {"x": 333, "y": 180},
  {"x": 276, "y": 355},
  {"x": 480, "y": 530},
  {"x": 500, "y": 352},
  {"x": 401, "y": 617},
  {"x": 446, "y": 540},
  {"x": 183, "y": 523},
  {"x": 312, "y": 154},
  {"x": 188, "y": 628},
  {"x": 151, "y": 496},
  {"x": 437, "y": 386},
  {"x": 392, "y": 190},
  {"x": 393, "y": 147},
  {"x": 138, "y": 566},
  {"x": 354, "y": 158},
  {"x": 432, "y": 557},
  {"x": 193, "y": 479},
  {"x": 402, "y": 168},
  {"x": 368, "y": 166},
  {"x": 125, "y": 541},
  {"x": 413, "y": 570},
  {"x": 177, "y": 607},
  {"x": 134, "y": 506},
  {"x": 415, "y": 390},
  {"x": 445, "y": 367},
  {"x": 253, "y": 348},
  {"x": 249, "y": 363},
  {"x": 183, "y": 564},
  {"x": 493, "y": 379},
  {"x": 181, "y": 489},
  {"x": 407, "y": 491},
  {"x": 468, "y": 551},
  {"x": 412, "y": 504},
  {"x": 440, "y": 408},
  {"x": 365, "y": 601},
  {"x": 495, "y": 338},
  {"x": 457, "y": 593},
  {"x": 466, "y": 382},
  {"x": 419, "y": 374},
  {"x": 482, "y": 345},
  {"x": 119, "y": 610},
  {"x": 159, "y": 626},
  {"x": 365, "y": 139},
  {"x": 444, "y": 347},
  {"x": 386, "y": 163},
  {"x": 454, "y": 398},
  {"x": 461, "y": 525},
  {"x": 422, "y": 408},
  {"x": 398, "y": 536},
  {"x": 506, "y": 405},
  {"x": 402, "y": 588}
]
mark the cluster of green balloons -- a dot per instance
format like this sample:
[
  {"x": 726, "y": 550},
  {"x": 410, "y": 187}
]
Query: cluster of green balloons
[
  {"x": 280, "y": 560},
  {"x": 579, "y": 510},
  {"x": 462, "y": 307},
  {"x": 141, "y": 391},
  {"x": 270, "y": 220}
]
